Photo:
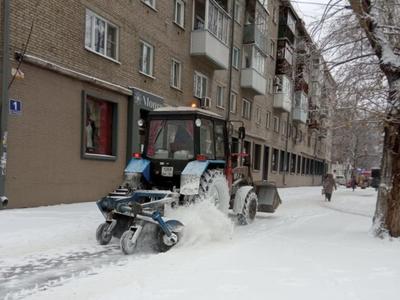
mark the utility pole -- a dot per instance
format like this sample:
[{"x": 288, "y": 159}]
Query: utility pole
[{"x": 4, "y": 101}]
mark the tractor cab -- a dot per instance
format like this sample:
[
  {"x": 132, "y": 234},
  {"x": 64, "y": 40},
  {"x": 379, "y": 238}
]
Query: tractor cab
[{"x": 176, "y": 136}]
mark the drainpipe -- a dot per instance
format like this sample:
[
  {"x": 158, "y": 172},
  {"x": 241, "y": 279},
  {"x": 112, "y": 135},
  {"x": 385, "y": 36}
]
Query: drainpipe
[
  {"x": 4, "y": 101},
  {"x": 228, "y": 109}
]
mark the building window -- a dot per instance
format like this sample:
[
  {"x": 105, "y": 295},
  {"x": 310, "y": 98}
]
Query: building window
[
  {"x": 303, "y": 166},
  {"x": 274, "y": 160},
  {"x": 99, "y": 127},
  {"x": 268, "y": 120},
  {"x": 220, "y": 97},
  {"x": 257, "y": 157},
  {"x": 272, "y": 49},
  {"x": 233, "y": 102},
  {"x": 200, "y": 85},
  {"x": 146, "y": 58},
  {"x": 283, "y": 127},
  {"x": 179, "y": 14},
  {"x": 246, "y": 109},
  {"x": 238, "y": 11},
  {"x": 176, "y": 70},
  {"x": 258, "y": 115},
  {"x": 236, "y": 58},
  {"x": 151, "y": 3},
  {"x": 101, "y": 36},
  {"x": 287, "y": 161},
  {"x": 275, "y": 14},
  {"x": 276, "y": 124},
  {"x": 270, "y": 85}
]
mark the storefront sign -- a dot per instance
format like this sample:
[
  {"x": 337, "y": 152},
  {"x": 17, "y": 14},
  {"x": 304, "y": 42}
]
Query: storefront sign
[{"x": 147, "y": 100}]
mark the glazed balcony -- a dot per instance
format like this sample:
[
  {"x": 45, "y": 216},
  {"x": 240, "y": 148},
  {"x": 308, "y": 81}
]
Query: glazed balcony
[
  {"x": 253, "y": 69},
  {"x": 210, "y": 35},
  {"x": 256, "y": 26},
  {"x": 283, "y": 94},
  {"x": 300, "y": 110}
]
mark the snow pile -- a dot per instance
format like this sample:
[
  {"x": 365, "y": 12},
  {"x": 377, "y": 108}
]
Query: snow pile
[{"x": 203, "y": 223}]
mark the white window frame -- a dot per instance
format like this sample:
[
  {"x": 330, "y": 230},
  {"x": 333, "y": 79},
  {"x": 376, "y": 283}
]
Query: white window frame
[
  {"x": 233, "y": 102},
  {"x": 238, "y": 11},
  {"x": 246, "y": 109},
  {"x": 258, "y": 115},
  {"x": 236, "y": 58},
  {"x": 150, "y": 3},
  {"x": 268, "y": 120},
  {"x": 173, "y": 75},
  {"x": 220, "y": 103},
  {"x": 180, "y": 22},
  {"x": 144, "y": 44},
  {"x": 202, "y": 78},
  {"x": 90, "y": 36},
  {"x": 276, "y": 124},
  {"x": 272, "y": 49},
  {"x": 270, "y": 85}
]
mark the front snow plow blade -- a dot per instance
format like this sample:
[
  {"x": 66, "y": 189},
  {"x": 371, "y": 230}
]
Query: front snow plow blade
[
  {"x": 127, "y": 215},
  {"x": 268, "y": 196}
]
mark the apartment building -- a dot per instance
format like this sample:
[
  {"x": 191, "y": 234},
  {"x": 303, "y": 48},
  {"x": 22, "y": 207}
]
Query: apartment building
[{"x": 86, "y": 70}]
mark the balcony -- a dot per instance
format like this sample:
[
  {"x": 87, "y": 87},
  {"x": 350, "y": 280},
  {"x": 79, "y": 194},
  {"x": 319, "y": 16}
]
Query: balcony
[
  {"x": 252, "y": 75},
  {"x": 253, "y": 80},
  {"x": 256, "y": 28},
  {"x": 300, "y": 111},
  {"x": 210, "y": 35},
  {"x": 283, "y": 94}
]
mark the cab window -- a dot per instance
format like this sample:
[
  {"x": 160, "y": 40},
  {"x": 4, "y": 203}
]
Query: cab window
[
  {"x": 219, "y": 140},
  {"x": 207, "y": 139}
]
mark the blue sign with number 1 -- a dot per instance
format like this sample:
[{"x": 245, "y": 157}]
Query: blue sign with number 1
[{"x": 15, "y": 107}]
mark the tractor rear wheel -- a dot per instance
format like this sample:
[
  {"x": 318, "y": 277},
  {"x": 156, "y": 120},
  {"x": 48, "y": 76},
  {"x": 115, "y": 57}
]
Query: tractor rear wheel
[
  {"x": 214, "y": 188},
  {"x": 249, "y": 210}
]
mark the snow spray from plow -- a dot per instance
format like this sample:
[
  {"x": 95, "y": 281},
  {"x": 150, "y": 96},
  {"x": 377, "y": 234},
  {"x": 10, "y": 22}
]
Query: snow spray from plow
[{"x": 186, "y": 160}]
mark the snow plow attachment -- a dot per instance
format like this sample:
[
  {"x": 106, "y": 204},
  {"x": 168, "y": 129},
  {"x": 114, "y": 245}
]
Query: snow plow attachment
[{"x": 268, "y": 196}]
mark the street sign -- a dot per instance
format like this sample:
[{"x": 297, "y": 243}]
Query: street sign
[{"x": 15, "y": 107}]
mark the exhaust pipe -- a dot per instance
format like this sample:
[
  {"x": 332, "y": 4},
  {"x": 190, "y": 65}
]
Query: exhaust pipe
[{"x": 3, "y": 202}]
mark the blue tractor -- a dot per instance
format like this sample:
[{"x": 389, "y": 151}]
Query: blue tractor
[{"x": 186, "y": 158}]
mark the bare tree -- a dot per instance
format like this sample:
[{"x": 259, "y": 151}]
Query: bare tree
[{"x": 362, "y": 43}]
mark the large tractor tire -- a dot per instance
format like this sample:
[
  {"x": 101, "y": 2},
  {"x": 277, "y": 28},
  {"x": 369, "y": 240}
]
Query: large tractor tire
[
  {"x": 214, "y": 188},
  {"x": 249, "y": 210}
]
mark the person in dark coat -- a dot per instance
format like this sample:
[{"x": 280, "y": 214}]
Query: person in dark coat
[{"x": 329, "y": 184}]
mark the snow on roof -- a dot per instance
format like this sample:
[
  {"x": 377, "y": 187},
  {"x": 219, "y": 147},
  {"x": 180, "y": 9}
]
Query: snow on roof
[{"x": 188, "y": 109}]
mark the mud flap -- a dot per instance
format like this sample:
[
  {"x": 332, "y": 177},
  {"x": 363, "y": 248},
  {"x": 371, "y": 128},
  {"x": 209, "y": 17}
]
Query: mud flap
[
  {"x": 268, "y": 197},
  {"x": 190, "y": 177},
  {"x": 240, "y": 197}
]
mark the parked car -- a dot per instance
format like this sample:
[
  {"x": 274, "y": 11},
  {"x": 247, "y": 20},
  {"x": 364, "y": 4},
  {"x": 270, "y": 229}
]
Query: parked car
[{"x": 340, "y": 179}]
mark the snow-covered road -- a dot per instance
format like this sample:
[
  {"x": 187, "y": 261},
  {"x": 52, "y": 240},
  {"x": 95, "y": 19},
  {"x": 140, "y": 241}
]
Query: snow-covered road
[{"x": 308, "y": 249}]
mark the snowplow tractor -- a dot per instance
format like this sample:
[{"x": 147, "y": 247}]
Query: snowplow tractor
[{"x": 186, "y": 158}]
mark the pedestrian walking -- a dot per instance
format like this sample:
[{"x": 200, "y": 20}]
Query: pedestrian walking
[{"x": 328, "y": 184}]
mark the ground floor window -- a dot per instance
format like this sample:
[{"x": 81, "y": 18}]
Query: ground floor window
[
  {"x": 274, "y": 160},
  {"x": 293, "y": 163},
  {"x": 99, "y": 126},
  {"x": 298, "y": 171},
  {"x": 257, "y": 156},
  {"x": 282, "y": 161}
]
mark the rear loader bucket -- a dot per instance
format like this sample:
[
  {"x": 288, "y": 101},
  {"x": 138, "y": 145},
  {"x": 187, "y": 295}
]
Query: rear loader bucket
[{"x": 268, "y": 197}]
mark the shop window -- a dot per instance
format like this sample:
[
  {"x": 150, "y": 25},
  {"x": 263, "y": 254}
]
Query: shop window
[
  {"x": 219, "y": 141},
  {"x": 99, "y": 127},
  {"x": 274, "y": 160},
  {"x": 282, "y": 161},
  {"x": 298, "y": 171},
  {"x": 293, "y": 164},
  {"x": 257, "y": 157}
]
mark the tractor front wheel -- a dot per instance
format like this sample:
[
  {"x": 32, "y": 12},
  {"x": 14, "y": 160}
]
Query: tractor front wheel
[
  {"x": 127, "y": 245},
  {"x": 214, "y": 188}
]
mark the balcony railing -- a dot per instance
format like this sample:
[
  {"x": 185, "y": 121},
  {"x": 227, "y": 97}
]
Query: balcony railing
[
  {"x": 210, "y": 35},
  {"x": 300, "y": 110},
  {"x": 251, "y": 79}
]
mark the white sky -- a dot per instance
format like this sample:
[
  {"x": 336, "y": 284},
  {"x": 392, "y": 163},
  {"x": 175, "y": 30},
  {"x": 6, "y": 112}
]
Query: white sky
[{"x": 309, "y": 12}]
